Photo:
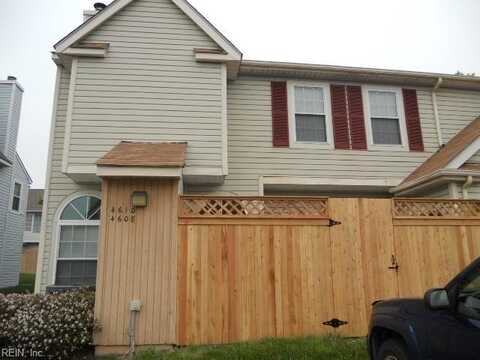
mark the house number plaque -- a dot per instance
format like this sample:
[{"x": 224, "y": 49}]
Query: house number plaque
[{"x": 121, "y": 214}]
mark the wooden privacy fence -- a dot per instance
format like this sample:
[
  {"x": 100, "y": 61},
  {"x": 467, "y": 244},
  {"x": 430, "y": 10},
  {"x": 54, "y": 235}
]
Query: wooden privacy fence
[{"x": 255, "y": 267}]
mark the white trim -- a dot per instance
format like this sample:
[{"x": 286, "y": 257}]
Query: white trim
[
  {"x": 465, "y": 155},
  {"x": 261, "y": 186},
  {"x": 91, "y": 24},
  {"x": 401, "y": 118},
  {"x": 43, "y": 226},
  {"x": 68, "y": 120},
  {"x": 201, "y": 171},
  {"x": 213, "y": 58},
  {"x": 138, "y": 171},
  {"x": 292, "y": 112},
  {"x": 55, "y": 243},
  {"x": 118, "y": 5},
  {"x": 453, "y": 190},
  {"x": 85, "y": 52},
  {"x": 208, "y": 28},
  {"x": 224, "y": 120},
  {"x": 341, "y": 182}
]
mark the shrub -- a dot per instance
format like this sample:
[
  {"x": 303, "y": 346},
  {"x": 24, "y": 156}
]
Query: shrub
[{"x": 57, "y": 325}]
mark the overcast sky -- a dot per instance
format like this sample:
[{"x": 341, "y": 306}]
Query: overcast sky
[{"x": 427, "y": 35}]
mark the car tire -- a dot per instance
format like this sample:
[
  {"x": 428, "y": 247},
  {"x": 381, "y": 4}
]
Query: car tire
[{"x": 392, "y": 349}]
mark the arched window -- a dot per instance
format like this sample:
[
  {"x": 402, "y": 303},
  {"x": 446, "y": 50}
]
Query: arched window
[{"x": 78, "y": 233}]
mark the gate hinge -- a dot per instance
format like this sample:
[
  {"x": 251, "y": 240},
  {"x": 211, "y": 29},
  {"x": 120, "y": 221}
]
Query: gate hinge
[
  {"x": 335, "y": 323},
  {"x": 332, "y": 222}
]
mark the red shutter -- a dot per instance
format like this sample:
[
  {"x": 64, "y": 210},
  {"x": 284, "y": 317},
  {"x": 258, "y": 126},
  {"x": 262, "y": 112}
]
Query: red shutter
[
  {"x": 412, "y": 118},
  {"x": 280, "y": 114},
  {"x": 356, "y": 118},
  {"x": 339, "y": 116}
]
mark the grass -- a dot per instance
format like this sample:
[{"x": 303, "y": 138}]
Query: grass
[
  {"x": 328, "y": 348},
  {"x": 26, "y": 284}
]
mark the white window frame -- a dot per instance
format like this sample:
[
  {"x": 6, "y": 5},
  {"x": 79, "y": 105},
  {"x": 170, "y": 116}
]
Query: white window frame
[
  {"x": 401, "y": 118},
  {"x": 58, "y": 225},
  {"x": 12, "y": 195},
  {"x": 292, "y": 111}
]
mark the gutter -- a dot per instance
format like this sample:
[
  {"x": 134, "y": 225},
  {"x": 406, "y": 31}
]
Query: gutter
[
  {"x": 435, "y": 175},
  {"x": 435, "y": 111}
]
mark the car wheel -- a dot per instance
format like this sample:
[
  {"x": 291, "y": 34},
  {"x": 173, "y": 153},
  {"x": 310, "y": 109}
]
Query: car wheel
[{"x": 392, "y": 350}]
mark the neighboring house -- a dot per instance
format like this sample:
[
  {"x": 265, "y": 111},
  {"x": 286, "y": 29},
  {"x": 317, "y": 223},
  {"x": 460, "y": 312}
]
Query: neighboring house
[
  {"x": 31, "y": 235},
  {"x": 14, "y": 184},
  {"x": 158, "y": 71}
]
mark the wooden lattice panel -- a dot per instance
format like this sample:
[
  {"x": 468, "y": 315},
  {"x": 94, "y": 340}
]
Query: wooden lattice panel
[
  {"x": 253, "y": 207},
  {"x": 436, "y": 208}
]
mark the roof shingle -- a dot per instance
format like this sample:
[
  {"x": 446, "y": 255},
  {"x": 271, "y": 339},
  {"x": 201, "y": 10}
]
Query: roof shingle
[
  {"x": 447, "y": 153},
  {"x": 145, "y": 154}
]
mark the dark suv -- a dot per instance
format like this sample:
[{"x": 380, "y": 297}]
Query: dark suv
[{"x": 444, "y": 325}]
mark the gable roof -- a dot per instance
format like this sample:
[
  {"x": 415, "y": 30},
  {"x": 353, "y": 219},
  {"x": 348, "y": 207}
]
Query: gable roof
[
  {"x": 145, "y": 154},
  {"x": 114, "y": 7},
  {"x": 453, "y": 154}
]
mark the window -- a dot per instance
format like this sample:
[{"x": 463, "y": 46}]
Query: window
[
  {"x": 385, "y": 119},
  {"x": 310, "y": 114},
  {"x": 33, "y": 222},
  {"x": 17, "y": 196},
  {"x": 77, "y": 242}
]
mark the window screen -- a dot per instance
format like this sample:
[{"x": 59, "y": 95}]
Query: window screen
[
  {"x": 310, "y": 119},
  {"x": 385, "y": 121}
]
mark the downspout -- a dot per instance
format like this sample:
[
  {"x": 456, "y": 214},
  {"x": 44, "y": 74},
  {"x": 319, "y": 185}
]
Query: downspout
[
  {"x": 466, "y": 186},
  {"x": 435, "y": 111}
]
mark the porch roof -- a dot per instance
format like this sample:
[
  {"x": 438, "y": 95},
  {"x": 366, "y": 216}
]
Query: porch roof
[
  {"x": 446, "y": 154},
  {"x": 145, "y": 154}
]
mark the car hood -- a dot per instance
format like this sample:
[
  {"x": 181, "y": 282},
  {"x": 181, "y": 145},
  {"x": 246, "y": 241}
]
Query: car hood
[{"x": 400, "y": 306}]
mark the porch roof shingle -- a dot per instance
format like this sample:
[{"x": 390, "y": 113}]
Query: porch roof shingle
[
  {"x": 145, "y": 154},
  {"x": 447, "y": 153}
]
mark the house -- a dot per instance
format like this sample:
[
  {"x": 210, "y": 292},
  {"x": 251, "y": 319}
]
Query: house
[
  {"x": 31, "y": 235},
  {"x": 14, "y": 184},
  {"x": 152, "y": 101}
]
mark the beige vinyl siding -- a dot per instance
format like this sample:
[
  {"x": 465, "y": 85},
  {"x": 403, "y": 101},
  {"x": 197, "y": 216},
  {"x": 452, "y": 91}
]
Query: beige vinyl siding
[
  {"x": 474, "y": 192},
  {"x": 441, "y": 192},
  {"x": 457, "y": 109},
  {"x": 59, "y": 185},
  {"x": 149, "y": 87},
  {"x": 251, "y": 154}
]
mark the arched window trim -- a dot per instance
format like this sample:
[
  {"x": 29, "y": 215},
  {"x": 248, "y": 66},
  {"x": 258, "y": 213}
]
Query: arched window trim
[{"x": 59, "y": 222}]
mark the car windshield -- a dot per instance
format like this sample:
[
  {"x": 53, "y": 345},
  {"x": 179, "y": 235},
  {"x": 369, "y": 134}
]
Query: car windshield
[{"x": 471, "y": 284}]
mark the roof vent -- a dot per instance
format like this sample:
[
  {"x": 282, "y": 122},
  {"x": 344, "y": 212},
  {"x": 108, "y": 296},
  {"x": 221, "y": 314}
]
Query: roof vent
[
  {"x": 11, "y": 78},
  {"x": 99, "y": 6}
]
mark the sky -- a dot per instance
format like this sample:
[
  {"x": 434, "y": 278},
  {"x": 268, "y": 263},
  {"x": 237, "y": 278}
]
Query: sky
[{"x": 428, "y": 35}]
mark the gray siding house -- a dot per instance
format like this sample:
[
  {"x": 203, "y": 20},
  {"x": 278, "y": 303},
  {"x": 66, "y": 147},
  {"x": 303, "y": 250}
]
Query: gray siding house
[
  {"x": 14, "y": 184},
  {"x": 158, "y": 71}
]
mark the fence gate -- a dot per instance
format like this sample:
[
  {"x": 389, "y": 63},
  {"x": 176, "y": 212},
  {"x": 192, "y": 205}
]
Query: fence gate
[
  {"x": 434, "y": 240},
  {"x": 253, "y": 267}
]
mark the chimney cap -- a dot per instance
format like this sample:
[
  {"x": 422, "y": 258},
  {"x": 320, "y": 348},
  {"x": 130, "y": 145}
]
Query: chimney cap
[
  {"x": 11, "y": 78},
  {"x": 99, "y": 6}
]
